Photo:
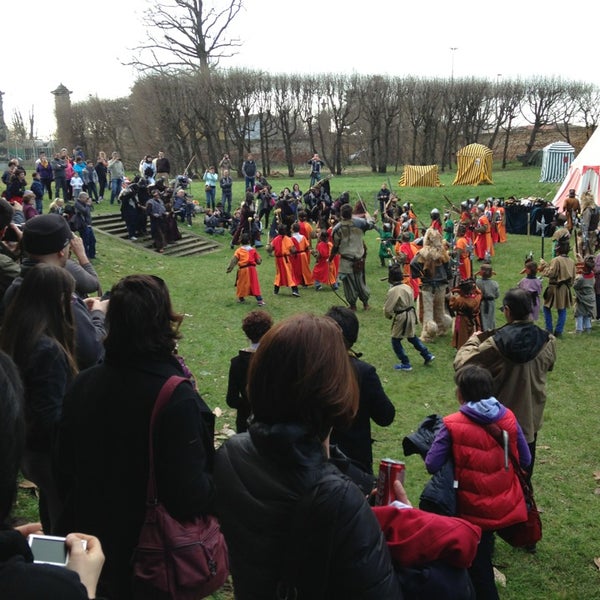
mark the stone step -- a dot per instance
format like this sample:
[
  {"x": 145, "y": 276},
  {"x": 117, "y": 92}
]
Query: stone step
[{"x": 190, "y": 243}]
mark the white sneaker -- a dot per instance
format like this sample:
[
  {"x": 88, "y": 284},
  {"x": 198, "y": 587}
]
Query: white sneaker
[{"x": 133, "y": 238}]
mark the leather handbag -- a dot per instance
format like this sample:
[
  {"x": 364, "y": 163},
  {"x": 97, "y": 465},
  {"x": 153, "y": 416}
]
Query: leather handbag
[
  {"x": 529, "y": 532},
  {"x": 185, "y": 560}
]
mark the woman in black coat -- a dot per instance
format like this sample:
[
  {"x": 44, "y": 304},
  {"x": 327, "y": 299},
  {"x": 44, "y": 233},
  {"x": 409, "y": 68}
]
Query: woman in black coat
[
  {"x": 103, "y": 437},
  {"x": 292, "y": 521}
]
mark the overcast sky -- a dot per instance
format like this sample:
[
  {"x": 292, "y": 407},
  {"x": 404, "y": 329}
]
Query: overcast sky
[{"x": 83, "y": 44}]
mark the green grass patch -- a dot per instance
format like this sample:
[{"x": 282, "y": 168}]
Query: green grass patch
[{"x": 568, "y": 446}]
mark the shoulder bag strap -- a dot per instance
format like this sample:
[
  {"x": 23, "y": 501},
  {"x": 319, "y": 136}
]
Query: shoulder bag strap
[{"x": 164, "y": 395}]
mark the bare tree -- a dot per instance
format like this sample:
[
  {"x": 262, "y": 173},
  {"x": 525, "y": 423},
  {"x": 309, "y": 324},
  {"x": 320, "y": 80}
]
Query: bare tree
[
  {"x": 541, "y": 97},
  {"x": 186, "y": 34},
  {"x": 286, "y": 100}
]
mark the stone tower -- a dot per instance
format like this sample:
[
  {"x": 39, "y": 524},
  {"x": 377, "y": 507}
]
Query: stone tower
[
  {"x": 62, "y": 112},
  {"x": 3, "y": 127}
]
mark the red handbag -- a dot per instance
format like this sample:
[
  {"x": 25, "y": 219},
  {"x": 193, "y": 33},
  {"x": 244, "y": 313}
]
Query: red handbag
[
  {"x": 529, "y": 532},
  {"x": 185, "y": 560}
]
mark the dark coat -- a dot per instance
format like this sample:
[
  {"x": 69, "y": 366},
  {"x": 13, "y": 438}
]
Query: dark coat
[
  {"x": 102, "y": 457},
  {"x": 374, "y": 404},
  {"x": 236, "y": 389},
  {"x": 21, "y": 578},
  {"x": 339, "y": 552},
  {"x": 439, "y": 495}
]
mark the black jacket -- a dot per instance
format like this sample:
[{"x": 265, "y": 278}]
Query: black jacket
[
  {"x": 339, "y": 551},
  {"x": 236, "y": 389},
  {"x": 374, "y": 404},
  {"x": 102, "y": 457},
  {"x": 439, "y": 495}
]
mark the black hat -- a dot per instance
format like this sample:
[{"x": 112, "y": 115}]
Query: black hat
[{"x": 46, "y": 234}]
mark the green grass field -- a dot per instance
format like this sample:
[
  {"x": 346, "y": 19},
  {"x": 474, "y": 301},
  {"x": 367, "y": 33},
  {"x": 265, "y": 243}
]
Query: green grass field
[{"x": 568, "y": 461}]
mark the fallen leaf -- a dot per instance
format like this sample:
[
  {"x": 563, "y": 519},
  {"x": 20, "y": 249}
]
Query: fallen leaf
[
  {"x": 596, "y": 475},
  {"x": 597, "y": 492},
  {"x": 499, "y": 578},
  {"x": 597, "y": 562},
  {"x": 217, "y": 412}
]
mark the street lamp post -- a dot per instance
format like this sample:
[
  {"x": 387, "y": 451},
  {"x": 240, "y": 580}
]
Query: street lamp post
[{"x": 452, "y": 50}]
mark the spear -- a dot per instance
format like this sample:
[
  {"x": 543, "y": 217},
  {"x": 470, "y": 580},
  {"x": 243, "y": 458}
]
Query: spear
[{"x": 541, "y": 228}]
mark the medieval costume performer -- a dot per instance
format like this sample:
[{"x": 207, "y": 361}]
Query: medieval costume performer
[
  {"x": 432, "y": 265},
  {"x": 465, "y": 300}
]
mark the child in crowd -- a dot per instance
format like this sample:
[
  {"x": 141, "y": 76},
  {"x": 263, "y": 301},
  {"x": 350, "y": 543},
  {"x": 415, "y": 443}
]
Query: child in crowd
[
  {"x": 76, "y": 186},
  {"x": 57, "y": 206},
  {"x": 246, "y": 282},
  {"x": 323, "y": 272},
  {"x": 533, "y": 284},
  {"x": 37, "y": 187},
  {"x": 488, "y": 491},
  {"x": 489, "y": 292},
  {"x": 585, "y": 296},
  {"x": 400, "y": 307},
  {"x": 465, "y": 300}
]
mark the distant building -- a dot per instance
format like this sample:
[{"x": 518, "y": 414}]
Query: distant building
[{"x": 62, "y": 111}]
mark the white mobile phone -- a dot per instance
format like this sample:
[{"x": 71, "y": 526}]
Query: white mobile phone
[{"x": 48, "y": 549}]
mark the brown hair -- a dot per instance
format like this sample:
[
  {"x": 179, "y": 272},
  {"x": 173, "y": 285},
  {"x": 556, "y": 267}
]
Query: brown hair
[{"x": 301, "y": 373}]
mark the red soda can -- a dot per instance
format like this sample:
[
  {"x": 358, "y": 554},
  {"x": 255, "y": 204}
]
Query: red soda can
[{"x": 389, "y": 471}]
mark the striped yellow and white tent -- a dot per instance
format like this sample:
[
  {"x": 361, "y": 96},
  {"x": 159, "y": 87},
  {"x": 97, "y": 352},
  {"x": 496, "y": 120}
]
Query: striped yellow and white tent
[
  {"x": 473, "y": 165},
  {"x": 420, "y": 176}
]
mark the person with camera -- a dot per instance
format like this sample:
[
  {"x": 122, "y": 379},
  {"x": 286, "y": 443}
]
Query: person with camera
[
  {"x": 210, "y": 179},
  {"x": 315, "y": 164},
  {"x": 21, "y": 575}
]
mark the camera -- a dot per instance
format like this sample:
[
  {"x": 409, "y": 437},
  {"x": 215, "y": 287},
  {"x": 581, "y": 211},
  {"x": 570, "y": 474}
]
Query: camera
[{"x": 48, "y": 549}]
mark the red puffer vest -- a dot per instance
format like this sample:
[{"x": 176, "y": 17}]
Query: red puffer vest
[{"x": 487, "y": 494}]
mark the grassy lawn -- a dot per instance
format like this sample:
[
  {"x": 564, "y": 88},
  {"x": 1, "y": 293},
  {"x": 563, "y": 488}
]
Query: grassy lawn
[{"x": 568, "y": 449}]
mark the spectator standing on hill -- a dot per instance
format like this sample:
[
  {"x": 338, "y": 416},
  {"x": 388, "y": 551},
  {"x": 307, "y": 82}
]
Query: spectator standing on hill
[
  {"x": 226, "y": 184},
  {"x": 44, "y": 168},
  {"x": 210, "y": 179},
  {"x": 225, "y": 164},
  {"x": 249, "y": 172},
  {"x": 162, "y": 166},
  {"x": 101, "y": 168},
  {"x": 59, "y": 166},
  {"x": 315, "y": 164},
  {"x": 90, "y": 181},
  {"x": 116, "y": 170}
]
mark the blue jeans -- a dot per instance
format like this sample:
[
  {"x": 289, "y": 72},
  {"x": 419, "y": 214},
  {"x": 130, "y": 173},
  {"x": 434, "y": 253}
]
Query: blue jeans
[
  {"x": 560, "y": 323},
  {"x": 210, "y": 197},
  {"x": 418, "y": 345},
  {"x": 115, "y": 189},
  {"x": 250, "y": 183}
]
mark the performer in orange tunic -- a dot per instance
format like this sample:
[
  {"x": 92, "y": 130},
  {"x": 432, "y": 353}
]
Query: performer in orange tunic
[
  {"x": 306, "y": 229},
  {"x": 463, "y": 249},
  {"x": 246, "y": 282},
  {"x": 301, "y": 258},
  {"x": 500, "y": 218},
  {"x": 406, "y": 249},
  {"x": 282, "y": 247},
  {"x": 324, "y": 271},
  {"x": 484, "y": 248},
  {"x": 335, "y": 261}
]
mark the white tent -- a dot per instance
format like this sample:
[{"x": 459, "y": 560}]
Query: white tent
[
  {"x": 584, "y": 173},
  {"x": 556, "y": 160}
]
